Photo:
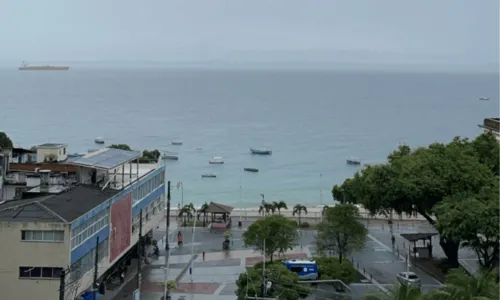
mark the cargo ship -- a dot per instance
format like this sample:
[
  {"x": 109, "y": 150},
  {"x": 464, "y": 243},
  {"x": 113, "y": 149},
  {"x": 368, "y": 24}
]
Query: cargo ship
[{"x": 26, "y": 67}]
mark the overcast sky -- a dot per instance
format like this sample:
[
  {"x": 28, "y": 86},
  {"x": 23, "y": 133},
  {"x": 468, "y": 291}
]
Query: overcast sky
[{"x": 447, "y": 31}]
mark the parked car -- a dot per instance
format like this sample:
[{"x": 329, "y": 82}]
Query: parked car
[{"x": 409, "y": 278}]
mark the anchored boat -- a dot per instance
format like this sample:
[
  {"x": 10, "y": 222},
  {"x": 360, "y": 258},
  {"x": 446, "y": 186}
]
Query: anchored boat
[
  {"x": 208, "y": 176},
  {"x": 353, "y": 161},
  {"x": 216, "y": 160},
  {"x": 261, "y": 151},
  {"x": 251, "y": 170}
]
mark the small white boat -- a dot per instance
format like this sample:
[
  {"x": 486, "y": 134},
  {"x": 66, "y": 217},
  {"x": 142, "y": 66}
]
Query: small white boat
[
  {"x": 208, "y": 176},
  {"x": 484, "y": 98},
  {"x": 99, "y": 140},
  {"x": 353, "y": 161},
  {"x": 216, "y": 160},
  {"x": 261, "y": 151},
  {"x": 176, "y": 143}
]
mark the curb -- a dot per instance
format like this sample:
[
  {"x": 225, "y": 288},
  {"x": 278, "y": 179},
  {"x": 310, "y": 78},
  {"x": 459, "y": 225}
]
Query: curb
[
  {"x": 184, "y": 270},
  {"x": 373, "y": 281}
]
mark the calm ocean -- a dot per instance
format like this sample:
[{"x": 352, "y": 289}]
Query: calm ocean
[{"x": 312, "y": 120}]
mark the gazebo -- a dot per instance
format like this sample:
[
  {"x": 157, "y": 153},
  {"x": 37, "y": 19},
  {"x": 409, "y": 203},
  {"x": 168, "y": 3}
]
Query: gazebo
[
  {"x": 220, "y": 215},
  {"x": 423, "y": 251}
]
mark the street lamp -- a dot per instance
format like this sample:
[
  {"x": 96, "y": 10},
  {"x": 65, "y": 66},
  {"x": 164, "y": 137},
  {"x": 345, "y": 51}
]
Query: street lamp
[{"x": 181, "y": 186}]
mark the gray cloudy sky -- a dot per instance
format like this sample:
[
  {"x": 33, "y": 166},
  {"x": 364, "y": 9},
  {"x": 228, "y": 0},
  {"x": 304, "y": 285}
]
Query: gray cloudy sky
[{"x": 448, "y": 31}]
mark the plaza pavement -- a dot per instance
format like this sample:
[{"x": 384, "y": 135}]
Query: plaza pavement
[{"x": 214, "y": 277}]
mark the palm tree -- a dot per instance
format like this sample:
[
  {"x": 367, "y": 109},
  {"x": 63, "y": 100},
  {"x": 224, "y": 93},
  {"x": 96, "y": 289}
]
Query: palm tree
[
  {"x": 203, "y": 211},
  {"x": 399, "y": 292},
  {"x": 298, "y": 209},
  {"x": 269, "y": 208},
  {"x": 262, "y": 208},
  {"x": 323, "y": 212},
  {"x": 461, "y": 286},
  {"x": 279, "y": 206},
  {"x": 186, "y": 212}
]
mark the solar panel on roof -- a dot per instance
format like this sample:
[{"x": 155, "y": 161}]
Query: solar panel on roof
[{"x": 106, "y": 160}]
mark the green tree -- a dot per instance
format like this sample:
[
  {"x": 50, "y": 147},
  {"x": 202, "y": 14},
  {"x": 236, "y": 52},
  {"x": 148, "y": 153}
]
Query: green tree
[
  {"x": 399, "y": 292},
  {"x": 185, "y": 213},
  {"x": 279, "y": 206},
  {"x": 203, "y": 211},
  {"x": 5, "y": 141},
  {"x": 418, "y": 180},
  {"x": 298, "y": 209},
  {"x": 271, "y": 234},
  {"x": 330, "y": 268},
  {"x": 461, "y": 286},
  {"x": 340, "y": 231},
  {"x": 120, "y": 146},
  {"x": 150, "y": 156},
  {"x": 266, "y": 208},
  {"x": 284, "y": 283},
  {"x": 473, "y": 219}
]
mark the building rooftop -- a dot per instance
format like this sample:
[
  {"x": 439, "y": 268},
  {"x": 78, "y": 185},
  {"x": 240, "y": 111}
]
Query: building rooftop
[
  {"x": 51, "y": 145},
  {"x": 105, "y": 159},
  {"x": 64, "y": 207}
]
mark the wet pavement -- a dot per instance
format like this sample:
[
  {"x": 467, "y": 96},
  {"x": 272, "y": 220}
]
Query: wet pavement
[{"x": 214, "y": 277}]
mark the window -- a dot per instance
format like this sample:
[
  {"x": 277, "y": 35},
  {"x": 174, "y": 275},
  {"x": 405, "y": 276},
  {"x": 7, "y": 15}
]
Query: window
[
  {"x": 39, "y": 272},
  {"x": 297, "y": 269},
  {"x": 89, "y": 228},
  {"x": 42, "y": 235}
]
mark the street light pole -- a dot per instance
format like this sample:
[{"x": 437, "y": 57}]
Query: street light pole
[{"x": 192, "y": 249}]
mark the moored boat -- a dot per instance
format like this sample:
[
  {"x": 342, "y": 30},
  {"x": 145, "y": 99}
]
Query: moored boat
[
  {"x": 261, "y": 151},
  {"x": 216, "y": 160},
  {"x": 484, "y": 98},
  {"x": 176, "y": 143},
  {"x": 251, "y": 170},
  {"x": 208, "y": 176},
  {"x": 353, "y": 161},
  {"x": 99, "y": 140}
]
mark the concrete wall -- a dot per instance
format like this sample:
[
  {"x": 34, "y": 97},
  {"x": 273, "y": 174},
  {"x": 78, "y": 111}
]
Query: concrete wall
[{"x": 27, "y": 253}]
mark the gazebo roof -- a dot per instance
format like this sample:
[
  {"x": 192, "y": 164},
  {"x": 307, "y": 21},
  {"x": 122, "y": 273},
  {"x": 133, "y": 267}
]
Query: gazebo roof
[
  {"x": 219, "y": 208},
  {"x": 412, "y": 237}
]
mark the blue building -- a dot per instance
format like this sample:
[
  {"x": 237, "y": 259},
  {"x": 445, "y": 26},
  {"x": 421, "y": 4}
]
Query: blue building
[{"x": 101, "y": 212}]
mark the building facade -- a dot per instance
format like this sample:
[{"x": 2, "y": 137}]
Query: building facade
[
  {"x": 51, "y": 152},
  {"x": 491, "y": 125},
  {"x": 42, "y": 236}
]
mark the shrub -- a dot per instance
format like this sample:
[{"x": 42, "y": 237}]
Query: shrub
[{"x": 330, "y": 268}]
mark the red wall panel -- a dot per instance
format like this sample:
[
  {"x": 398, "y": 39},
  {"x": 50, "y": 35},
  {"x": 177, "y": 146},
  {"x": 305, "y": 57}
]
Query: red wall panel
[{"x": 121, "y": 226}]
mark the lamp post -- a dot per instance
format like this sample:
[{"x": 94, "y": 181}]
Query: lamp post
[{"x": 181, "y": 186}]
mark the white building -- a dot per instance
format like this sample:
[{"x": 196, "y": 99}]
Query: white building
[
  {"x": 491, "y": 125},
  {"x": 45, "y": 235},
  {"x": 51, "y": 152}
]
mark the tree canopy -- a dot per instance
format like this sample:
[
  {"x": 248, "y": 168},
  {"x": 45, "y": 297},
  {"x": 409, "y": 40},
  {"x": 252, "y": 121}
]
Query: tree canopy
[
  {"x": 148, "y": 156},
  {"x": 5, "y": 141},
  {"x": 120, "y": 146},
  {"x": 284, "y": 283},
  {"x": 458, "y": 286},
  {"x": 435, "y": 181},
  {"x": 271, "y": 234},
  {"x": 340, "y": 231}
]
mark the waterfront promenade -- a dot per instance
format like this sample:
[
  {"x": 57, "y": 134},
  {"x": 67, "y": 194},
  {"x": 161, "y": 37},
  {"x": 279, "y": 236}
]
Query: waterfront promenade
[{"x": 314, "y": 214}]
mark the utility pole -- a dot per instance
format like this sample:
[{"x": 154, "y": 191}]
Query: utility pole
[
  {"x": 167, "y": 247},
  {"x": 62, "y": 284},
  {"x": 263, "y": 291},
  {"x": 320, "y": 189},
  {"x": 139, "y": 253},
  {"x": 96, "y": 268}
]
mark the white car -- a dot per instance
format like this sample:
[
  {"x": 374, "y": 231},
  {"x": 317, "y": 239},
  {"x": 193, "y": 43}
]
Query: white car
[{"x": 409, "y": 278}]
